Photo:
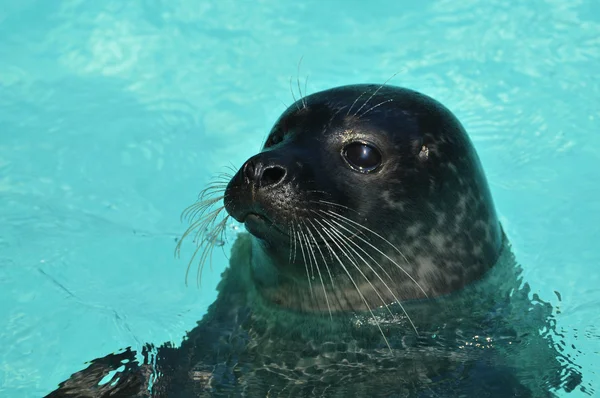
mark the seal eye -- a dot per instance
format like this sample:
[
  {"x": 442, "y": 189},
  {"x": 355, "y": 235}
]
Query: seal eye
[
  {"x": 362, "y": 157},
  {"x": 275, "y": 138}
]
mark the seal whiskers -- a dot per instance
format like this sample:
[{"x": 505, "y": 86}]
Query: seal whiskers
[
  {"x": 374, "y": 107},
  {"x": 308, "y": 247},
  {"x": 204, "y": 221},
  {"x": 213, "y": 233},
  {"x": 352, "y": 223},
  {"x": 294, "y": 95},
  {"x": 341, "y": 239},
  {"x": 337, "y": 205},
  {"x": 292, "y": 233},
  {"x": 354, "y": 103},
  {"x": 375, "y": 93},
  {"x": 347, "y": 241},
  {"x": 197, "y": 209},
  {"x": 299, "y": 237},
  {"x": 375, "y": 320},
  {"x": 208, "y": 197},
  {"x": 314, "y": 244},
  {"x": 321, "y": 252},
  {"x": 302, "y": 97}
]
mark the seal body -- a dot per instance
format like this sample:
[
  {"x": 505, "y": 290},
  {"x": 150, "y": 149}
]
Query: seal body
[
  {"x": 375, "y": 265},
  {"x": 246, "y": 346}
]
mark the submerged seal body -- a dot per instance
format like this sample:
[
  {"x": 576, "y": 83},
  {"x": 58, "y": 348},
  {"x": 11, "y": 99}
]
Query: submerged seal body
[{"x": 375, "y": 265}]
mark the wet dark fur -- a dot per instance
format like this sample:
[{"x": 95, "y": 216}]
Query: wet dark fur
[{"x": 272, "y": 333}]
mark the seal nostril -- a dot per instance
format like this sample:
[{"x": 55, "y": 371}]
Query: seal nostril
[
  {"x": 272, "y": 175},
  {"x": 250, "y": 170}
]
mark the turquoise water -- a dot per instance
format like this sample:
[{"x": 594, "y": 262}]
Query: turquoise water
[{"x": 113, "y": 115}]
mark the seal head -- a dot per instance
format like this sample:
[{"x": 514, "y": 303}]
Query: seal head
[{"x": 364, "y": 195}]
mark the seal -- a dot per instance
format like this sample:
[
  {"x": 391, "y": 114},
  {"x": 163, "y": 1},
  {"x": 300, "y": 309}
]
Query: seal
[
  {"x": 374, "y": 265},
  {"x": 390, "y": 190}
]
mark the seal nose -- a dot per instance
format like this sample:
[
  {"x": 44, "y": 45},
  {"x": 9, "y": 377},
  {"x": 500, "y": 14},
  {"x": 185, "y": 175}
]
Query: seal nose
[{"x": 262, "y": 175}]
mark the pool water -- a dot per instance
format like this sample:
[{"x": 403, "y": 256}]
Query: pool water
[{"x": 114, "y": 115}]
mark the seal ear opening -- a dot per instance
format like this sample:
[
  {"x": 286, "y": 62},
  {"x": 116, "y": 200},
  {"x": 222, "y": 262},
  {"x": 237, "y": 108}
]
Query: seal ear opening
[{"x": 424, "y": 153}]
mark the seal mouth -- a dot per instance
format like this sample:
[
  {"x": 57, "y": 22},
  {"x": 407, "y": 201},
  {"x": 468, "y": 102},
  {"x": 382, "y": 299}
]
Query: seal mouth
[{"x": 261, "y": 226}]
